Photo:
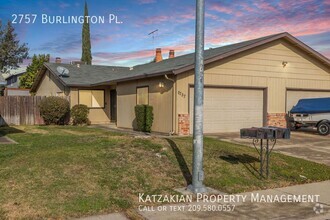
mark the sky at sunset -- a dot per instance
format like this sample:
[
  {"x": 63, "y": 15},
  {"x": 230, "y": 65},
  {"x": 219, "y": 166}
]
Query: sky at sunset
[{"x": 128, "y": 43}]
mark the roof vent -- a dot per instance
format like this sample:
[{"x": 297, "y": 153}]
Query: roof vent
[{"x": 62, "y": 71}]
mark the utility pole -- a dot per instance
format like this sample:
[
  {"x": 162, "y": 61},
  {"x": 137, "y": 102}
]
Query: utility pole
[{"x": 197, "y": 170}]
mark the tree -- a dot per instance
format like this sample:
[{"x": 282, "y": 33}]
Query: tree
[
  {"x": 86, "y": 40},
  {"x": 11, "y": 51},
  {"x": 27, "y": 79}
]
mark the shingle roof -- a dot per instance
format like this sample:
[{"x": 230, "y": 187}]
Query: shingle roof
[
  {"x": 15, "y": 72},
  {"x": 88, "y": 75}
]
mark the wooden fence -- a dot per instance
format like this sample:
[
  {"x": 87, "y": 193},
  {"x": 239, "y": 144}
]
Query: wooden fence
[{"x": 20, "y": 110}]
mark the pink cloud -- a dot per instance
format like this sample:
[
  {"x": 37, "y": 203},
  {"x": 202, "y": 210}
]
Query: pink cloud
[
  {"x": 188, "y": 16},
  {"x": 156, "y": 19},
  {"x": 326, "y": 53},
  {"x": 212, "y": 16},
  {"x": 247, "y": 30},
  {"x": 265, "y": 6},
  {"x": 246, "y": 7},
  {"x": 222, "y": 9},
  {"x": 225, "y": 9}
]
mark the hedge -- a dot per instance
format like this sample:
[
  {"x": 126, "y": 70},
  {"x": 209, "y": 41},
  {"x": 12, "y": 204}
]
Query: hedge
[
  {"x": 79, "y": 114},
  {"x": 144, "y": 117},
  {"x": 54, "y": 110}
]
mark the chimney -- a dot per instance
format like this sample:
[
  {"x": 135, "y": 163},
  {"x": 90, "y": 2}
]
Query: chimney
[
  {"x": 158, "y": 57},
  {"x": 58, "y": 60},
  {"x": 171, "y": 54}
]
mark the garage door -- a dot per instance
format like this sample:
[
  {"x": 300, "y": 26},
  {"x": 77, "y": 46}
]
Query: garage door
[
  {"x": 293, "y": 97},
  {"x": 228, "y": 110}
]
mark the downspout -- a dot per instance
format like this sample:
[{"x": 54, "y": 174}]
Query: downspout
[{"x": 173, "y": 101}]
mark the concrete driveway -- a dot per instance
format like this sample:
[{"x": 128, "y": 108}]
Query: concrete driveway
[{"x": 306, "y": 144}]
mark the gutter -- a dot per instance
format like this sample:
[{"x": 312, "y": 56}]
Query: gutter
[
  {"x": 173, "y": 102},
  {"x": 133, "y": 78}
]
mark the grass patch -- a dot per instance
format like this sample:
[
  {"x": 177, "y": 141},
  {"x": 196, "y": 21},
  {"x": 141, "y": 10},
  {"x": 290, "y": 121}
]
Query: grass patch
[
  {"x": 234, "y": 168},
  {"x": 64, "y": 171}
]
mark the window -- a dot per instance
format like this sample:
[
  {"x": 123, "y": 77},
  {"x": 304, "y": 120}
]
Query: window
[
  {"x": 92, "y": 98},
  {"x": 142, "y": 96}
]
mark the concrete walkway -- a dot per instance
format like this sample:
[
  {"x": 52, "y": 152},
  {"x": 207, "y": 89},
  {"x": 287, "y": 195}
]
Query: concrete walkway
[
  {"x": 256, "y": 210},
  {"x": 6, "y": 140},
  {"x": 251, "y": 207},
  {"x": 112, "y": 216}
]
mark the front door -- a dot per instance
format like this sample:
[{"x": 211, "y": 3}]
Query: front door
[{"x": 113, "y": 105}]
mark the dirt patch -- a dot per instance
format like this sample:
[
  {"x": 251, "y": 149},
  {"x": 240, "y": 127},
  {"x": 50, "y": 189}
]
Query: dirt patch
[
  {"x": 18, "y": 210},
  {"x": 32, "y": 130}
]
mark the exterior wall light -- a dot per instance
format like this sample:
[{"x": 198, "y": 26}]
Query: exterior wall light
[
  {"x": 284, "y": 63},
  {"x": 161, "y": 85}
]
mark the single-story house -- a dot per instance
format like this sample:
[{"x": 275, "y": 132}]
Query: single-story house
[
  {"x": 252, "y": 83},
  {"x": 2, "y": 81},
  {"x": 13, "y": 76}
]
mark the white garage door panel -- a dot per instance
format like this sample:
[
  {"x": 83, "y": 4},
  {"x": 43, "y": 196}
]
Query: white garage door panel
[
  {"x": 294, "y": 96},
  {"x": 227, "y": 110}
]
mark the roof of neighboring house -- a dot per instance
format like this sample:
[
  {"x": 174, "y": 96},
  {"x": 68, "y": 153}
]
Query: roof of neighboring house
[
  {"x": 88, "y": 75},
  {"x": 2, "y": 80},
  {"x": 15, "y": 72}
]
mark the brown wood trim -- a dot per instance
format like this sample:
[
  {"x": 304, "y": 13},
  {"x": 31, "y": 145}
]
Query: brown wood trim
[
  {"x": 139, "y": 87},
  {"x": 92, "y": 90}
]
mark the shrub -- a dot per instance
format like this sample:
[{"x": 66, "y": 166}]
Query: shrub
[
  {"x": 144, "y": 117},
  {"x": 149, "y": 118},
  {"x": 79, "y": 114},
  {"x": 54, "y": 110}
]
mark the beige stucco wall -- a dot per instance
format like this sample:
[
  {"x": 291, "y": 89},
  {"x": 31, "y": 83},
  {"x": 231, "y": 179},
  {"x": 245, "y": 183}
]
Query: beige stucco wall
[
  {"x": 261, "y": 69},
  {"x": 159, "y": 98},
  {"x": 49, "y": 86},
  {"x": 96, "y": 115}
]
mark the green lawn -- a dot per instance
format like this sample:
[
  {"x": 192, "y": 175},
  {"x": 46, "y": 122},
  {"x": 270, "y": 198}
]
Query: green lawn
[{"x": 58, "y": 172}]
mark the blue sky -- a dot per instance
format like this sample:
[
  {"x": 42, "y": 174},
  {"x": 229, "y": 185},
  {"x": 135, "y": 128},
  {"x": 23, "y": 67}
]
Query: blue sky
[{"x": 129, "y": 44}]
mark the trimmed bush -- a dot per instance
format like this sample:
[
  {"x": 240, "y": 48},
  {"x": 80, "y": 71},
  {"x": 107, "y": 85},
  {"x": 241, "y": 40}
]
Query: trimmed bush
[
  {"x": 140, "y": 117},
  {"x": 54, "y": 110},
  {"x": 144, "y": 117},
  {"x": 149, "y": 118},
  {"x": 79, "y": 114}
]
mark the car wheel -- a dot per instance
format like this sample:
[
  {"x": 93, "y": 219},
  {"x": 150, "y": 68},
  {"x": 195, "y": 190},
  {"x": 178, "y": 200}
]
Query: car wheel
[
  {"x": 323, "y": 128},
  {"x": 296, "y": 127}
]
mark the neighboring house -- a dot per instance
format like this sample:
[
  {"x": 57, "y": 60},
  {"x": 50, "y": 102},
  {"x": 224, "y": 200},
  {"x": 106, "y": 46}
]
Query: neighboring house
[
  {"x": 253, "y": 83},
  {"x": 2, "y": 83},
  {"x": 13, "y": 77},
  {"x": 12, "y": 83}
]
